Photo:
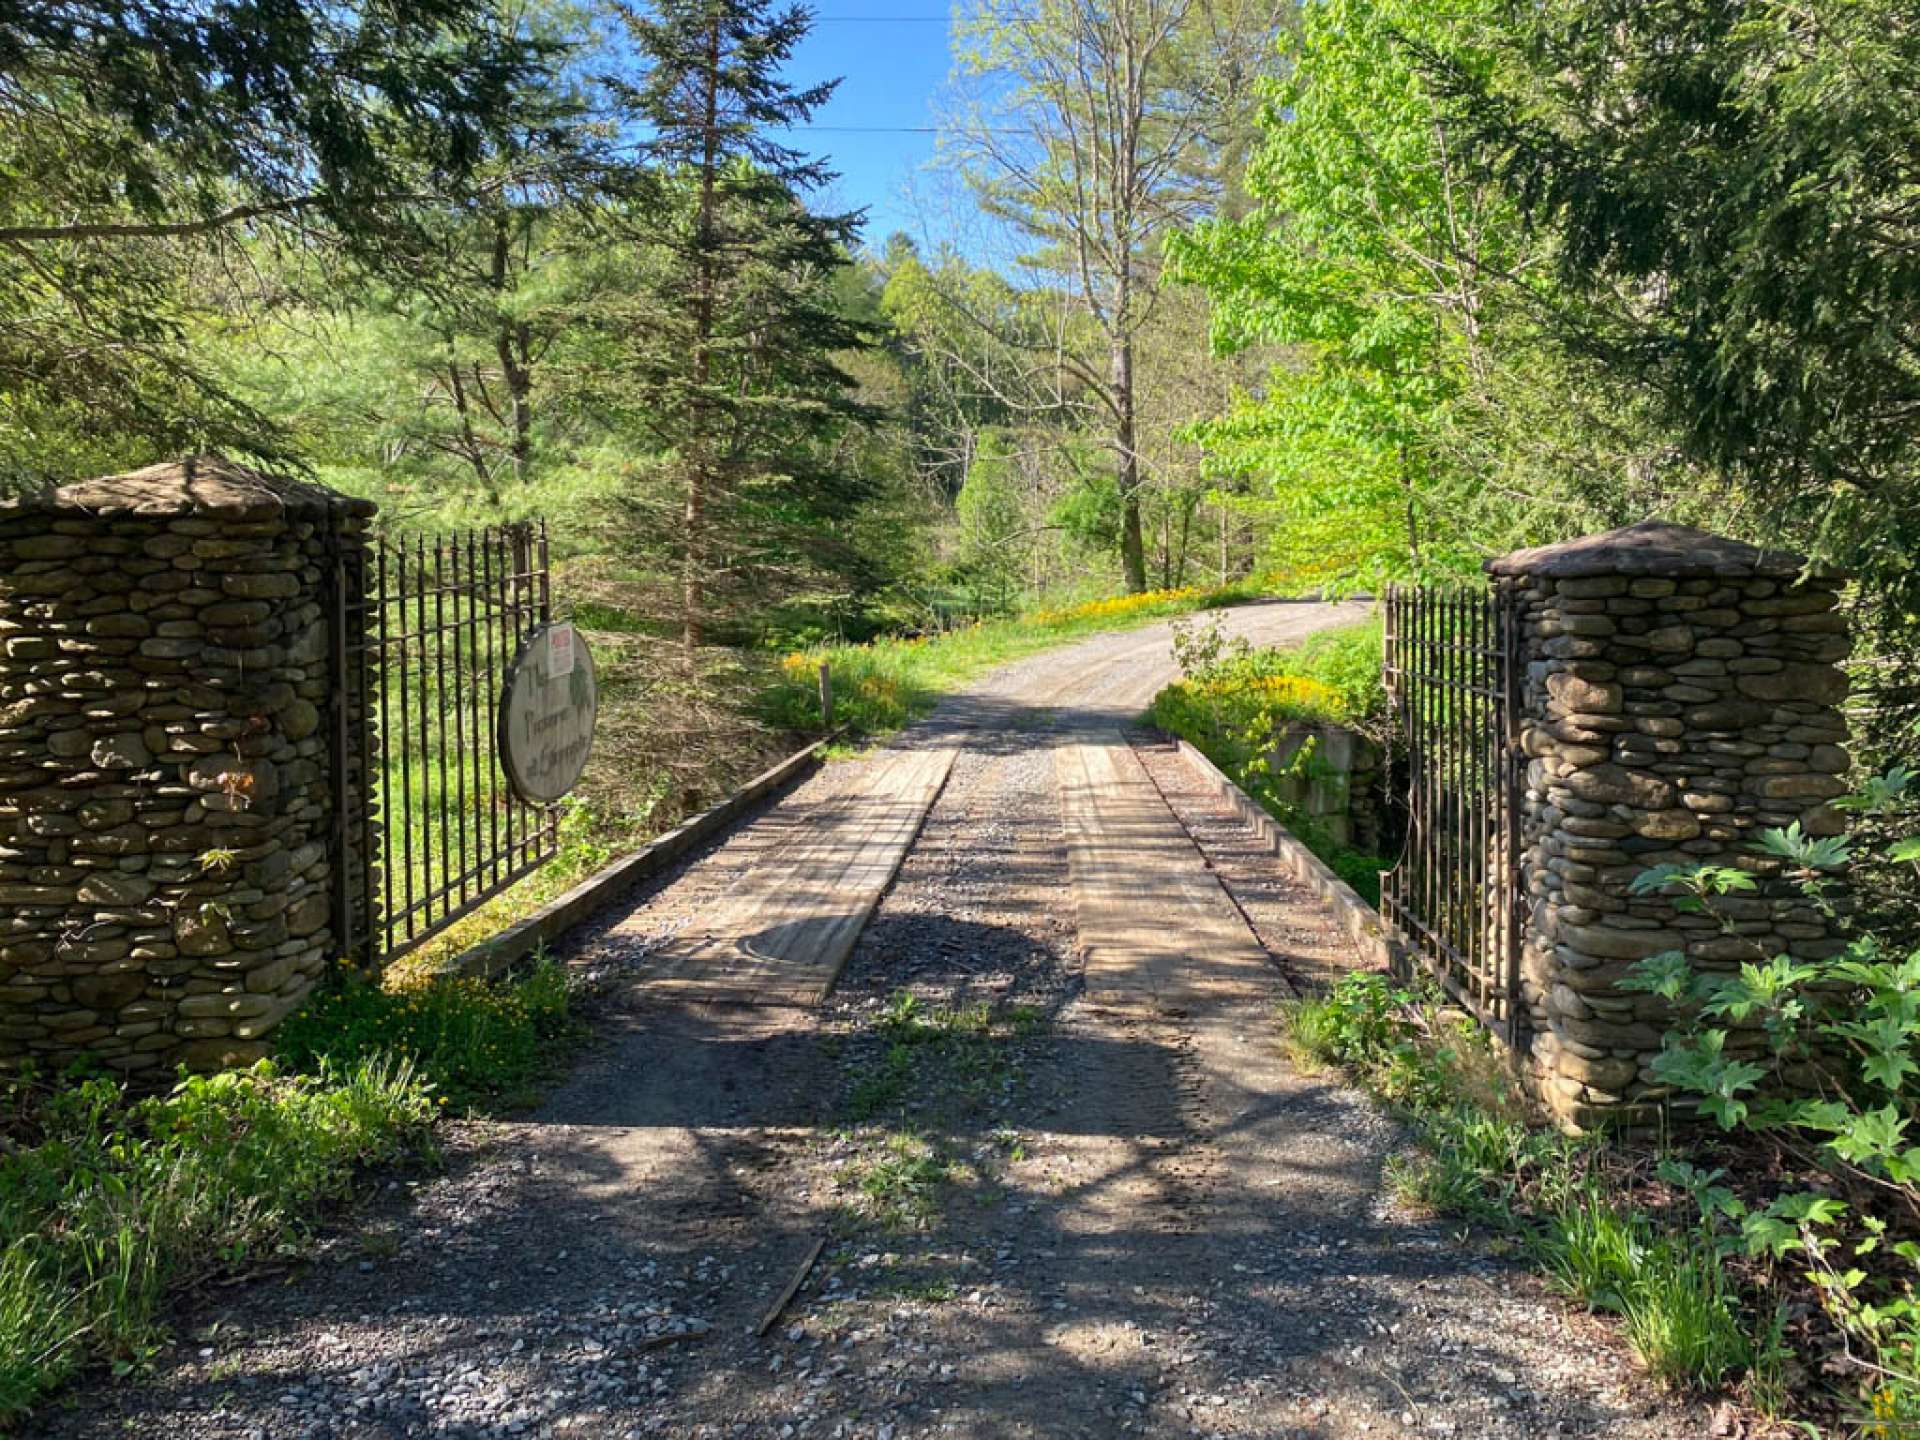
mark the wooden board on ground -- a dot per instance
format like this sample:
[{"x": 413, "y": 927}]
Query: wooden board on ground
[
  {"x": 1159, "y": 933},
  {"x": 782, "y": 934}
]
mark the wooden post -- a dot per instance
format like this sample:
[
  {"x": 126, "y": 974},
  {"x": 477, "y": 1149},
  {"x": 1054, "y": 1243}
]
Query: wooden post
[{"x": 826, "y": 696}]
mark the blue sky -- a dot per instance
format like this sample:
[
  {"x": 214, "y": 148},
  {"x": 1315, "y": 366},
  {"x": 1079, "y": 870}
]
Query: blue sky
[{"x": 893, "y": 59}]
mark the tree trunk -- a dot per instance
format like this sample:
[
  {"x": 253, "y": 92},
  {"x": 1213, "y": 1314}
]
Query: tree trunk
[
  {"x": 1166, "y": 547},
  {"x": 513, "y": 343},
  {"x": 693, "y": 579},
  {"x": 1133, "y": 549},
  {"x": 1188, "y": 504}
]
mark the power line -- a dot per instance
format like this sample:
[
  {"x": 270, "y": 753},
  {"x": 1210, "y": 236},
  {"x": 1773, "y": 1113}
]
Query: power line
[{"x": 901, "y": 129}]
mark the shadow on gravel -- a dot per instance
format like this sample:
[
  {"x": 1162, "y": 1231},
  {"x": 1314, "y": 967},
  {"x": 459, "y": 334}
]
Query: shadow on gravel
[{"x": 1152, "y": 1279}]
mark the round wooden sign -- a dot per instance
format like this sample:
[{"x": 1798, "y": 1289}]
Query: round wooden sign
[{"x": 547, "y": 712}]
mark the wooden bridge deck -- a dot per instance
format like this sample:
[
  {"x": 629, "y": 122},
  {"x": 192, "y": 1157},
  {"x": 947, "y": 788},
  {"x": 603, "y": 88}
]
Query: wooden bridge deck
[
  {"x": 1159, "y": 932},
  {"x": 782, "y": 935}
]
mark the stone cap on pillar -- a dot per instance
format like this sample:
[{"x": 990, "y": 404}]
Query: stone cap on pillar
[
  {"x": 207, "y": 485},
  {"x": 1650, "y": 547}
]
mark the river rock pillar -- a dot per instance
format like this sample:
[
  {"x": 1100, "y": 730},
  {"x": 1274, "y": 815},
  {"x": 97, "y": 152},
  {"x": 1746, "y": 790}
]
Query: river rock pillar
[
  {"x": 1680, "y": 693},
  {"x": 165, "y": 769}
]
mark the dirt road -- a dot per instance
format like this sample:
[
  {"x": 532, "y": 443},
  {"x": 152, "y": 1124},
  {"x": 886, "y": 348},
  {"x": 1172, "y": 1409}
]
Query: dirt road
[{"x": 1043, "y": 1217}]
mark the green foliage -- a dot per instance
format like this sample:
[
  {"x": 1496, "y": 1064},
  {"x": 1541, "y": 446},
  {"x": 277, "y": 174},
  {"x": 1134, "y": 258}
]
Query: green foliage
[
  {"x": 1092, "y": 131},
  {"x": 1418, "y": 420},
  {"x": 142, "y": 146},
  {"x": 1681, "y": 1312},
  {"x": 1238, "y": 699},
  {"x": 939, "y": 1062},
  {"x": 1237, "y": 704},
  {"x": 1724, "y": 193},
  {"x": 109, "y": 1202},
  {"x": 730, "y": 357},
  {"x": 1348, "y": 661},
  {"x": 1481, "y": 1158},
  {"x": 991, "y": 525},
  {"x": 1741, "y": 161},
  {"x": 473, "y": 1041},
  {"x": 1820, "y": 1053},
  {"x": 1359, "y": 1024}
]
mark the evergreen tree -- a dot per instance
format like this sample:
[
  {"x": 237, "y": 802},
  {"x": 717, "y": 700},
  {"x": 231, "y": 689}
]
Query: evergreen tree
[
  {"x": 729, "y": 354},
  {"x": 140, "y": 141},
  {"x": 1731, "y": 192}
]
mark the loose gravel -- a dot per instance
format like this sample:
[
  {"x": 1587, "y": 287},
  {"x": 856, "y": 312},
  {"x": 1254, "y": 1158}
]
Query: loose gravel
[{"x": 1156, "y": 1229}]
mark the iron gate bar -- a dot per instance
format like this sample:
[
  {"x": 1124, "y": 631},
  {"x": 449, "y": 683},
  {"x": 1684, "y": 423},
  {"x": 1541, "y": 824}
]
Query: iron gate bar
[
  {"x": 429, "y": 634},
  {"x": 1455, "y": 896}
]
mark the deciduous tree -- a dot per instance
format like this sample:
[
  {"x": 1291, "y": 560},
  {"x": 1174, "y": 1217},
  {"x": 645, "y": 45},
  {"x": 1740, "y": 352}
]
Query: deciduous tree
[{"x": 1095, "y": 130}]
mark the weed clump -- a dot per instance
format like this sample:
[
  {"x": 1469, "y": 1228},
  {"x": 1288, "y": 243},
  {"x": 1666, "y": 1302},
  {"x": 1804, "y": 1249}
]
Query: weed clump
[
  {"x": 1482, "y": 1157},
  {"x": 105, "y": 1203},
  {"x": 475, "y": 1042}
]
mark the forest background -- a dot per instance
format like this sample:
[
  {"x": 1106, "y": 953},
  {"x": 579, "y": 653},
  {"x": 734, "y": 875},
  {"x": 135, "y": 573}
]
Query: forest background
[{"x": 1304, "y": 297}]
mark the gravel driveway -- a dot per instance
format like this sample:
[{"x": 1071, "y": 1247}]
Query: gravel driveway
[{"x": 1155, "y": 1229}]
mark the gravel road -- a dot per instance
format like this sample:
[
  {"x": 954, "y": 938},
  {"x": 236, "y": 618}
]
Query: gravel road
[{"x": 1156, "y": 1229}]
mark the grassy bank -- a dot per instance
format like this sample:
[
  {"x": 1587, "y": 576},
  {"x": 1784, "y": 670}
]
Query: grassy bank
[
  {"x": 107, "y": 1204},
  {"x": 110, "y": 1202},
  {"x": 1233, "y": 703}
]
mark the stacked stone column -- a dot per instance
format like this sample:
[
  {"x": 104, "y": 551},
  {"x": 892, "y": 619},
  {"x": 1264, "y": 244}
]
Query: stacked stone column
[
  {"x": 165, "y": 793},
  {"x": 1681, "y": 693}
]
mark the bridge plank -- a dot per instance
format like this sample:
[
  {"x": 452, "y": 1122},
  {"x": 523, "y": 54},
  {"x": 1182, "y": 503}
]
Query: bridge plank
[
  {"x": 1159, "y": 933},
  {"x": 782, "y": 935}
]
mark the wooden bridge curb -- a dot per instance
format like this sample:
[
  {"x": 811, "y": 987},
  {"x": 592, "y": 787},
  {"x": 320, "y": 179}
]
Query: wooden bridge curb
[
  {"x": 559, "y": 915},
  {"x": 1360, "y": 920}
]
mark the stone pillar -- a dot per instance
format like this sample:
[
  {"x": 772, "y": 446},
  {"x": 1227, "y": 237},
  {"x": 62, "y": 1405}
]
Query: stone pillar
[
  {"x": 1681, "y": 692},
  {"x": 165, "y": 795}
]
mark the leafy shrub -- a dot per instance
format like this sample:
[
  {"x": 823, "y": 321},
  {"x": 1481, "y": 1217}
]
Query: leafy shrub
[
  {"x": 1360, "y": 1024},
  {"x": 472, "y": 1040},
  {"x": 1822, "y": 1058},
  {"x": 109, "y": 1202},
  {"x": 1347, "y": 661}
]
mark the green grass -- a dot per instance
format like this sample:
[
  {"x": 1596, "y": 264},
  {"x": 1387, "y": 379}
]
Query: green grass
[
  {"x": 475, "y": 1042},
  {"x": 1481, "y": 1155},
  {"x": 897, "y": 1184},
  {"x": 922, "y": 1084},
  {"x": 590, "y": 840},
  {"x": 109, "y": 1201},
  {"x": 884, "y": 684},
  {"x": 106, "y": 1203}
]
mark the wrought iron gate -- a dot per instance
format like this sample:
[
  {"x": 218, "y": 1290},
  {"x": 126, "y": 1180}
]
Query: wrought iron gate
[
  {"x": 427, "y": 826},
  {"x": 1455, "y": 897}
]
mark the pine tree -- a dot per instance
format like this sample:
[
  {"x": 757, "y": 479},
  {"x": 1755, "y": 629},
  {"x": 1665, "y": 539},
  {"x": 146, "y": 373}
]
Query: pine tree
[
  {"x": 730, "y": 354},
  {"x": 145, "y": 143}
]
